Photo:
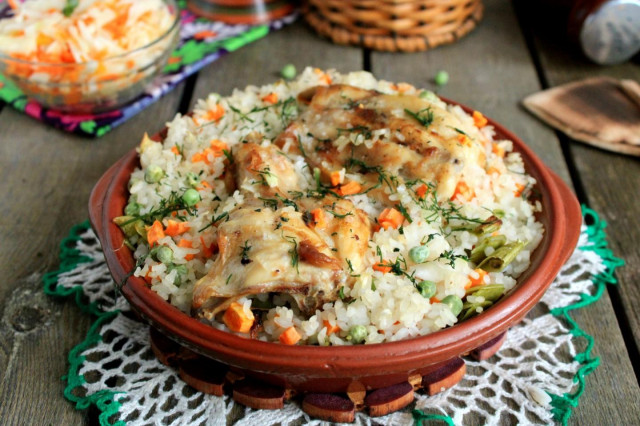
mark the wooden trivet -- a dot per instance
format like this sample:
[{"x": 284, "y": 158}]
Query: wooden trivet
[{"x": 213, "y": 377}]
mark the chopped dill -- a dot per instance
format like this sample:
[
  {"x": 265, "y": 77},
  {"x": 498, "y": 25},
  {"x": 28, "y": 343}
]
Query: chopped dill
[
  {"x": 424, "y": 116},
  {"x": 215, "y": 220}
]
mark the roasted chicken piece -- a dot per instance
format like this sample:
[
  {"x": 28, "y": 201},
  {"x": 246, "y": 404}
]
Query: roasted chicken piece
[
  {"x": 266, "y": 251},
  {"x": 265, "y": 169},
  {"x": 269, "y": 249},
  {"x": 422, "y": 141}
]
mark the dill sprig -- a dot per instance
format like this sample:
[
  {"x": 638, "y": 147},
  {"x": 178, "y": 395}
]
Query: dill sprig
[
  {"x": 424, "y": 116},
  {"x": 293, "y": 252}
]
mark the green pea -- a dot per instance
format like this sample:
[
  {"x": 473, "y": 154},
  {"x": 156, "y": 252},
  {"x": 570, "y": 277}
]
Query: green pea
[
  {"x": 192, "y": 179},
  {"x": 428, "y": 95},
  {"x": 357, "y": 333},
  {"x": 427, "y": 289},
  {"x": 288, "y": 71},
  {"x": 454, "y": 303},
  {"x": 419, "y": 254},
  {"x": 153, "y": 174},
  {"x": 190, "y": 197},
  {"x": 441, "y": 78},
  {"x": 181, "y": 273},
  {"x": 132, "y": 209},
  {"x": 164, "y": 255}
]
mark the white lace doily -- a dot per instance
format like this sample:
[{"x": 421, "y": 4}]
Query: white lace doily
[{"x": 528, "y": 381}]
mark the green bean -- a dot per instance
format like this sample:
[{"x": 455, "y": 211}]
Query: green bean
[
  {"x": 126, "y": 224},
  {"x": 502, "y": 257},
  {"x": 491, "y": 292},
  {"x": 357, "y": 333},
  {"x": 471, "y": 309},
  {"x": 495, "y": 241},
  {"x": 141, "y": 228},
  {"x": 489, "y": 226}
]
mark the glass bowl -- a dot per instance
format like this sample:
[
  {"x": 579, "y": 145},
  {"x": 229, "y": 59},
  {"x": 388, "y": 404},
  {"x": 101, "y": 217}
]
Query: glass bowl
[{"x": 73, "y": 87}]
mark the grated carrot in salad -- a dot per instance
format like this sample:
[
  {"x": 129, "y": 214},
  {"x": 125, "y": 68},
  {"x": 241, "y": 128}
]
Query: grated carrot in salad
[{"x": 91, "y": 39}]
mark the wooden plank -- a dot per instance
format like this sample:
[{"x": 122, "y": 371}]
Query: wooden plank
[
  {"x": 610, "y": 183},
  {"x": 491, "y": 70},
  {"x": 45, "y": 178},
  {"x": 260, "y": 62}
]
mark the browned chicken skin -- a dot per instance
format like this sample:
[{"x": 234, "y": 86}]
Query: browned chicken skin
[{"x": 270, "y": 244}]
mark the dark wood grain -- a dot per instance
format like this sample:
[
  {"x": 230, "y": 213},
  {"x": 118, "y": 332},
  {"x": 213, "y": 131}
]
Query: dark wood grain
[
  {"x": 260, "y": 62},
  {"x": 45, "y": 180},
  {"x": 492, "y": 70},
  {"x": 609, "y": 183}
]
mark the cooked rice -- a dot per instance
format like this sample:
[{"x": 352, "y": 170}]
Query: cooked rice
[{"x": 388, "y": 305}]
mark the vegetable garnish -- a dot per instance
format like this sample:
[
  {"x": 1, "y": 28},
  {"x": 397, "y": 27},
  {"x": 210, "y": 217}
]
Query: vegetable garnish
[{"x": 69, "y": 7}]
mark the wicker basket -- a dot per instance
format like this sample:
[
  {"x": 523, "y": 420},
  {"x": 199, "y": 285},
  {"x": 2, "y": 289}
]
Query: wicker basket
[{"x": 393, "y": 25}]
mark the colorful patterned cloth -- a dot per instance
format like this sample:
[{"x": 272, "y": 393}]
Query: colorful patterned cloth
[{"x": 201, "y": 42}]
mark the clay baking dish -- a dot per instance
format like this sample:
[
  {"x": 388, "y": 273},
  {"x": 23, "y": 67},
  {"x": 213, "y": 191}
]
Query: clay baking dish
[{"x": 334, "y": 369}]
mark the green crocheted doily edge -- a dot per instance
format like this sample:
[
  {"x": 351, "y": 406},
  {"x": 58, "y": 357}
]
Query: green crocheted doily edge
[
  {"x": 562, "y": 405},
  {"x": 105, "y": 401}
]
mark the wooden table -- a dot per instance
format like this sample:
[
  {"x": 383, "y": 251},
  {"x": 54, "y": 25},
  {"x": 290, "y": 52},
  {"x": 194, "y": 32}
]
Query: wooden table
[{"x": 46, "y": 177}]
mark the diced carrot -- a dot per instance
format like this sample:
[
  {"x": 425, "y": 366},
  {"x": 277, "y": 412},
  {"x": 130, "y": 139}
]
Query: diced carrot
[
  {"x": 207, "y": 251},
  {"x": 519, "y": 190},
  {"x": 422, "y": 191},
  {"x": 237, "y": 319},
  {"x": 479, "y": 120},
  {"x": 381, "y": 267},
  {"x": 473, "y": 282},
  {"x": 464, "y": 140},
  {"x": 215, "y": 113},
  {"x": 335, "y": 178},
  {"x": 218, "y": 146},
  {"x": 463, "y": 190},
  {"x": 497, "y": 149},
  {"x": 175, "y": 150},
  {"x": 13, "y": 4},
  {"x": 176, "y": 227},
  {"x": 154, "y": 233},
  {"x": 330, "y": 328},
  {"x": 290, "y": 336},
  {"x": 350, "y": 188},
  {"x": 323, "y": 75},
  {"x": 201, "y": 157},
  {"x": 403, "y": 87},
  {"x": 434, "y": 300},
  {"x": 184, "y": 243},
  {"x": 201, "y": 35},
  {"x": 271, "y": 98},
  {"x": 493, "y": 170},
  {"x": 318, "y": 218},
  {"x": 204, "y": 184},
  {"x": 390, "y": 218},
  {"x": 147, "y": 277}
]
